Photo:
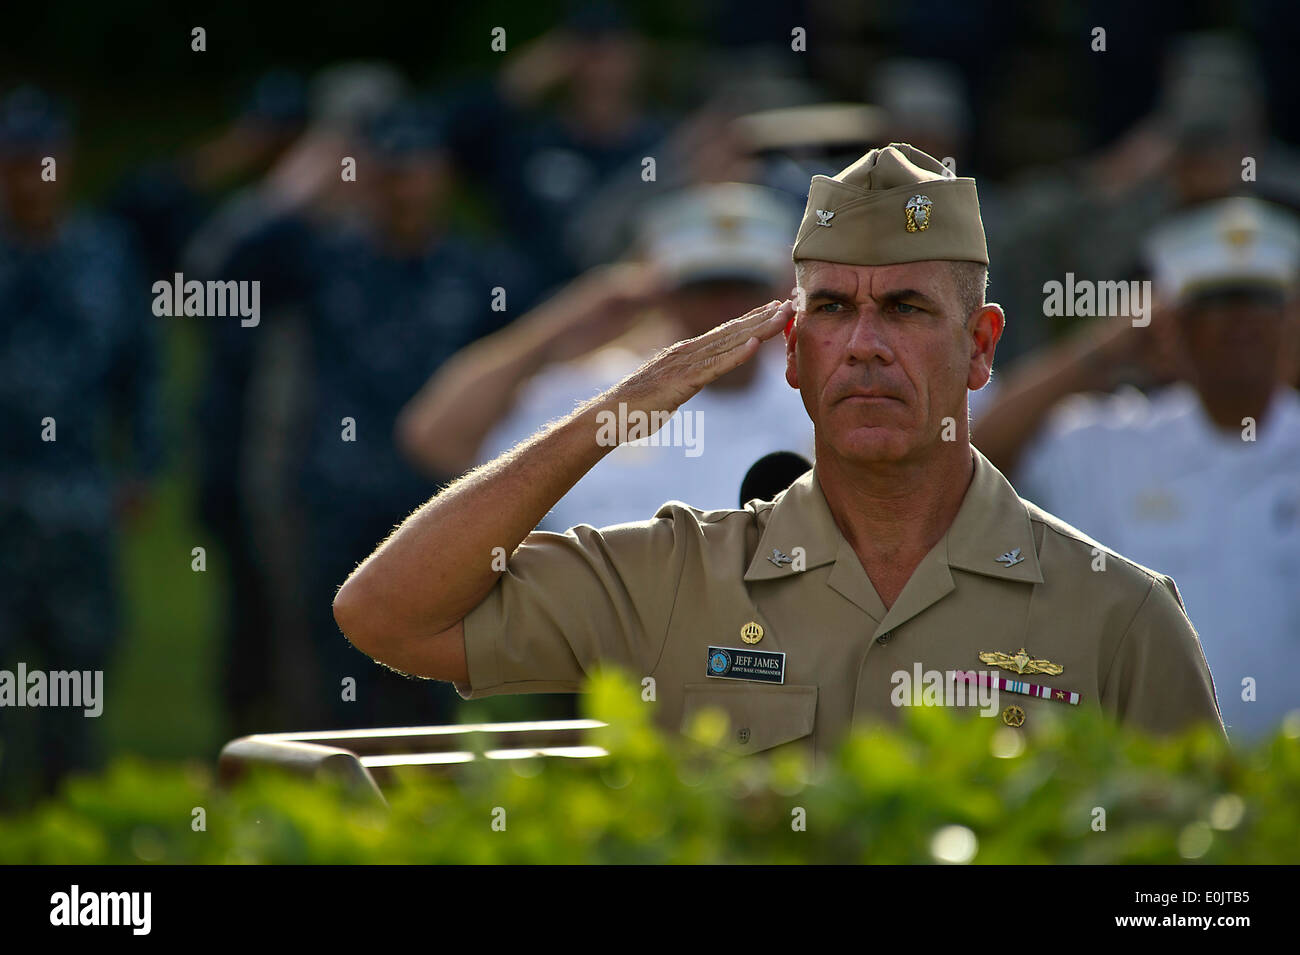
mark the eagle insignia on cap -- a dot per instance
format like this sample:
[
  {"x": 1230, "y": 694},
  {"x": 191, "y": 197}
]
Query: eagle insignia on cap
[
  {"x": 824, "y": 217},
  {"x": 917, "y": 212}
]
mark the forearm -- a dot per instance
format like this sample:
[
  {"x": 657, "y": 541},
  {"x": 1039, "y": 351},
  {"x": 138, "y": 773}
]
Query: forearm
[
  {"x": 441, "y": 563},
  {"x": 438, "y": 565},
  {"x": 442, "y": 428}
]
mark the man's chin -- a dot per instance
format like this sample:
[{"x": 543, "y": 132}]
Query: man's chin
[{"x": 876, "y": 445}]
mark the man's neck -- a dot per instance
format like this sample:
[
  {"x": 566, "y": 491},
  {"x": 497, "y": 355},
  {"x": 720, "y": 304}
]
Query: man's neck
[
  {"x": 410, "y": 242},
  {"x": 893, "y": 514},
  {"x": 1228, "y": 412}
]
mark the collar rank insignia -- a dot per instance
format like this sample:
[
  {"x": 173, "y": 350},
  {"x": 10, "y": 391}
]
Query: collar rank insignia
[
  {"x": 779, "y": 558},
  {"x": 824, "y": 217},
  {"x": 1010, "y": 558},
  {"x": 1020, "y": 661}
]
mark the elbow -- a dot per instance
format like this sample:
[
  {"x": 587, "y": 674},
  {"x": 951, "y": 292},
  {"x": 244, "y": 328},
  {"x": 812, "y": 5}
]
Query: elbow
[
  {"x": 426, "y": 448},
  {"x": 358, "y": 615},
  {"x": 408, "y": 435},
  {"x": 365, "y": 617}
]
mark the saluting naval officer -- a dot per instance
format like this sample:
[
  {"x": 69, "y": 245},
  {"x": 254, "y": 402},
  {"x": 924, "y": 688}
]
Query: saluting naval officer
[{"x": 902, "y": 551}]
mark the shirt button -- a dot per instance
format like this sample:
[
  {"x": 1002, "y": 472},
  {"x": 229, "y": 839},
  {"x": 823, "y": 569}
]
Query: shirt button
[{"x": 883, "y": 639}]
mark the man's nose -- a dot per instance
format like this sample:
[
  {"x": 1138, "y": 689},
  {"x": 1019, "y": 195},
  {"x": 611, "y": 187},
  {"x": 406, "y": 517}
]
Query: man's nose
[{"x": 868, "y": 340}]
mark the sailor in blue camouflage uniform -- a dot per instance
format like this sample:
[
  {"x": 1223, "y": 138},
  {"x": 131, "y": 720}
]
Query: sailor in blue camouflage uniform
[
  {"x": 78, "y": 378},
  {"x": 386, "y": 301}
]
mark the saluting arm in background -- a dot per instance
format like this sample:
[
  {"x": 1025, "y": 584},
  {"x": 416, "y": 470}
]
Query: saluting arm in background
[
  {"x": 442, "y": 428},
  {"x": 1095, "y": 361},
  {"x": 404, "y": 605}
]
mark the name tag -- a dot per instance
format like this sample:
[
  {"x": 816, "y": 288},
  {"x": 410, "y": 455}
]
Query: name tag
[{"x": 758, "y": 666}]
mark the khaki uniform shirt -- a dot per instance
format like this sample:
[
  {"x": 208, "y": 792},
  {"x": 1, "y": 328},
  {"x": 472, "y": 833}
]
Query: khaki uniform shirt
[{"x": 661, "y": 597}]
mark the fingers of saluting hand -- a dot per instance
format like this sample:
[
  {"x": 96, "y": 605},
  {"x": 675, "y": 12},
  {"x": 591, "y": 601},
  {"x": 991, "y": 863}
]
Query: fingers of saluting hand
[
  {"x": 734, "y": 343},
  {"x": 677, "y": 373},
  {"x": 762, "y": 323}
]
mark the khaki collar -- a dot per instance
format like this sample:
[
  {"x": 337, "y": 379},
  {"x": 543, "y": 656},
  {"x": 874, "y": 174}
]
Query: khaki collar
[{"x": 991, "y": 523}]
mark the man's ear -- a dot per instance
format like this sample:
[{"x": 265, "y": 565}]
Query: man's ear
[
  {"x": 791, "y": 366},
  {"x": 985, "y": 328}
]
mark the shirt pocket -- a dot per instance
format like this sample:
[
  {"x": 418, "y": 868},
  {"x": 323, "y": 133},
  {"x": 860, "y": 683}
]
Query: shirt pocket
[
  {"x": 1033, "y": 714},
  {"x": 759, "y": 717}
]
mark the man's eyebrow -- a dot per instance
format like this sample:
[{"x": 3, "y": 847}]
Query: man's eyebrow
[
  {"x": 830, "y": 293},
  {"x": 893, "y": 295},
  {"x": 899, "y": 295}
]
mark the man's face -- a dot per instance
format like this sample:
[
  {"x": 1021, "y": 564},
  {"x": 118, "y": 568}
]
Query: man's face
[
  {"x": 883, "y": 354},
  {"x": 28, "y": 199},
  {"x": 1236, "y": 340},
  {"x": 608, "y": 65},
  {"x": 408, "y": 192}
]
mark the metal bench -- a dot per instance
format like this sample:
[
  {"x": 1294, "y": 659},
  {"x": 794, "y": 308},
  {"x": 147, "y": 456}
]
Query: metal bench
[{"x": 365, "y": 759}]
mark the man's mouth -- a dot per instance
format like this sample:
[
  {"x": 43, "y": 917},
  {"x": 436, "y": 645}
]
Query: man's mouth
[{"x": 868, "y": 397}]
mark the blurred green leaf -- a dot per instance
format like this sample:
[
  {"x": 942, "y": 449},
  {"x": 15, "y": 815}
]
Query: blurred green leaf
[{"x": 936, "y": 788}]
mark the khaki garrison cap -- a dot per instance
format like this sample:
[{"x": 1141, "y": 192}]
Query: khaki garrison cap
[{"x": 895, "y": 204}]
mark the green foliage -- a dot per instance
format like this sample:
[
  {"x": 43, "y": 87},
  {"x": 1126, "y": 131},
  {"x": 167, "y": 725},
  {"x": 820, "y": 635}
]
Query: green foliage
[{"x": 940, "y": 788}]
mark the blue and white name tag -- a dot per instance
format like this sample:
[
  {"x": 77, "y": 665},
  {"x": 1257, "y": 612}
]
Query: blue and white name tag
[{"x": 758, "y": 666}]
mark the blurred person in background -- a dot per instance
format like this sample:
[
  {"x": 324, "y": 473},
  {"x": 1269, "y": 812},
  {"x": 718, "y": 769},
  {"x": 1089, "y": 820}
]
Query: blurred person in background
[
  {"x": 541, "y": 160},
  {"x": 925, "y": 103},
  {"x": 757, "y": 126},
  {"x": 708, "y": 251},
  {"x": 173, "y": 204},
  {"x": 1200, "y": 479},
  {"x": 253, "y": 400},
  {"x": 78, "y": 393},
  {"x": 1090, "y": 217},
  {"x": 342, "y": 100},
  {"x": 167, "y": 200},
  {"x": 383, "y": 300}
]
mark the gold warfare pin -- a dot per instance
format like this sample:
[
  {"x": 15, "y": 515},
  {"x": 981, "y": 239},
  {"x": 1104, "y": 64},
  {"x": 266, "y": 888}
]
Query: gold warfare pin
[
  {"x": 751, "y": 632},
  {"x": 1020, "y": 661}
]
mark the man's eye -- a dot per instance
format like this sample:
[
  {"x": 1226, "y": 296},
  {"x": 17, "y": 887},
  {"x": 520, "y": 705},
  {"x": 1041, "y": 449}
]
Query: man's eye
[
  {"x": 829, "y": 306},
  {"x": 905, "y": 309}
]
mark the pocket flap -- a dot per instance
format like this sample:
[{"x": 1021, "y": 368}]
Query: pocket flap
[{"x": 759, "y": 716}]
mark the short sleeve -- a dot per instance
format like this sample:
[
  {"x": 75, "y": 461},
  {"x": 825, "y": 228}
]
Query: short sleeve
[
  {"x": 1159, "y": 681},
  {"x": 570, "y": 601}
]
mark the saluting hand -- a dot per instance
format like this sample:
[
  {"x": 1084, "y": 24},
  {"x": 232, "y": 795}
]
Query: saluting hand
[{"x": 675, "y": 375}]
